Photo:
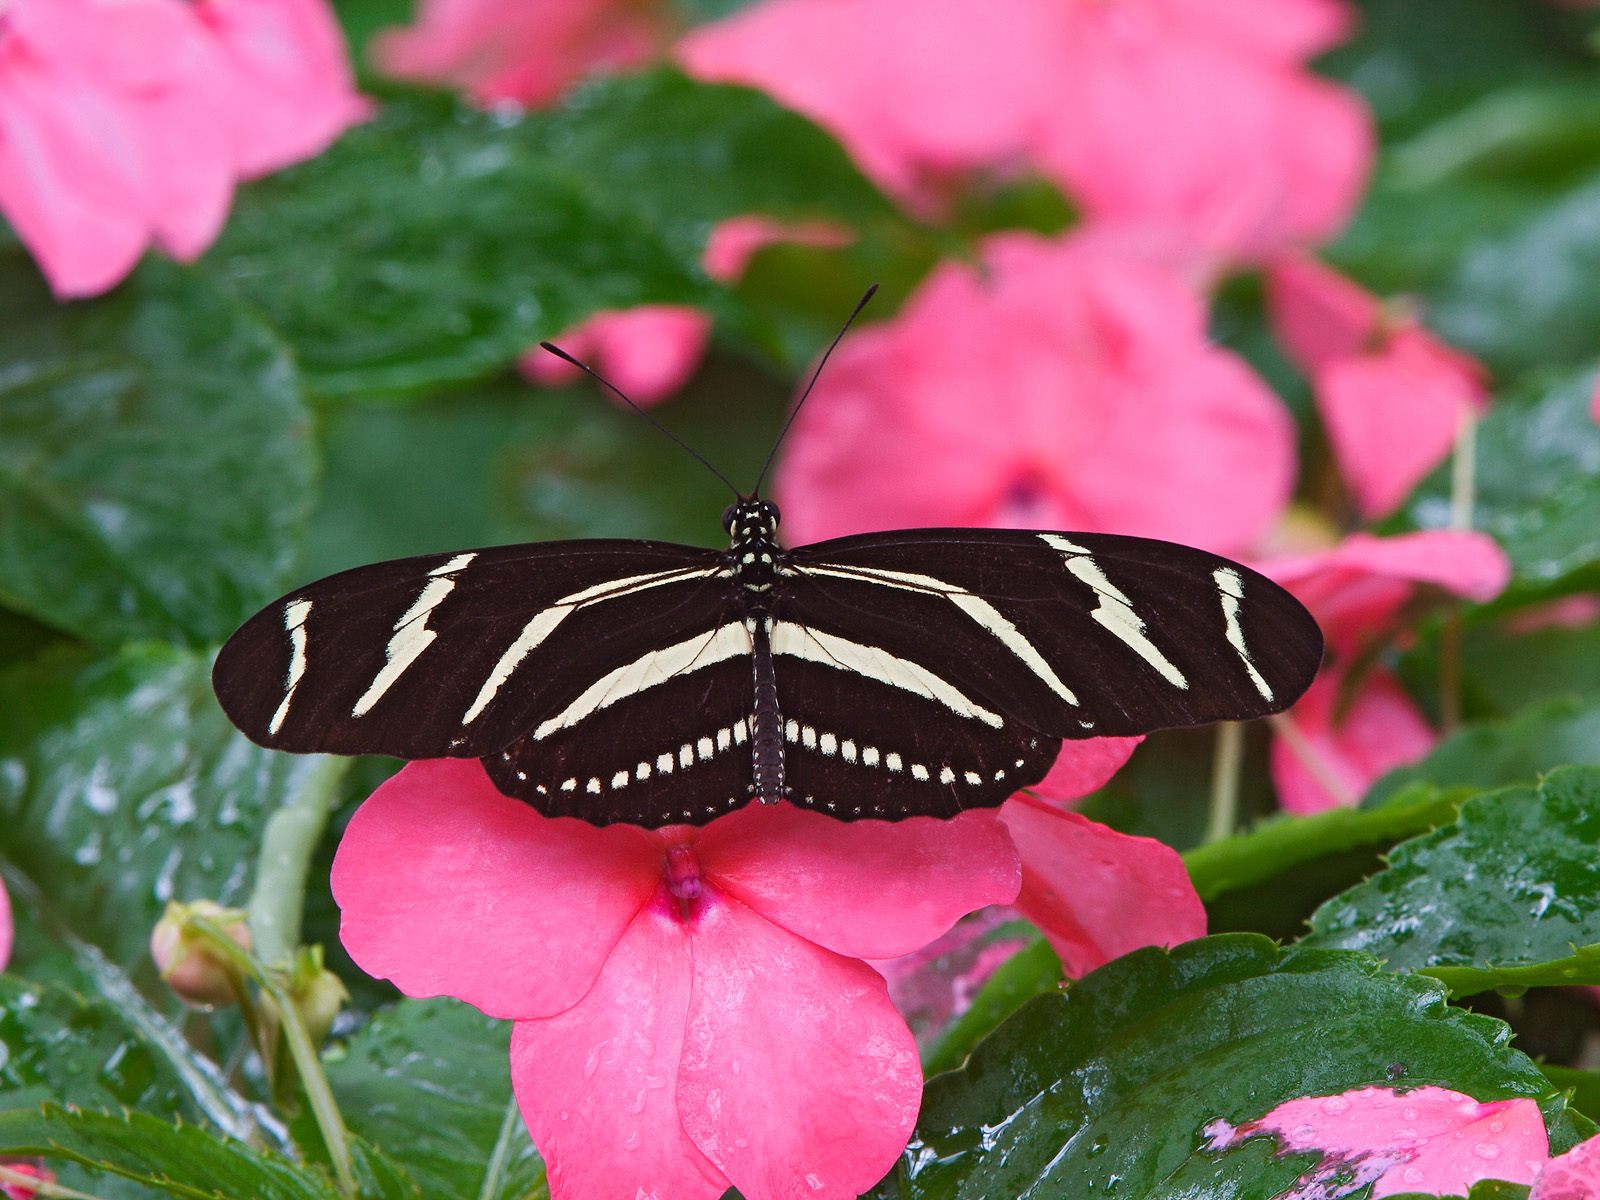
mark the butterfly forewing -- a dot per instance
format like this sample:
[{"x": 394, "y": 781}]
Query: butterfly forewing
[
  {"x": 456, "y": 654},
  {"x": 1075, "y": 635}
]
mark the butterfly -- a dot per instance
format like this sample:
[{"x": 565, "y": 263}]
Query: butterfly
[{"x": 887, "y": 675}]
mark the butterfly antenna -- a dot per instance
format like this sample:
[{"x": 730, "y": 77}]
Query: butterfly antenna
[
  {"x": 795, "y": 412},
  {"x": 623, "y": 396}
]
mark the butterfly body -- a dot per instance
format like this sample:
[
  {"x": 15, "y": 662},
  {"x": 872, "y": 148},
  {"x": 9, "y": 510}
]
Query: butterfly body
[{"x": 916, "y": 672}]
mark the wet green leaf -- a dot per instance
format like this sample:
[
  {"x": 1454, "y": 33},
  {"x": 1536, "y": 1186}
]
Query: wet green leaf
[
  {"x": 155, "y": 466},
  {"x": 429, "y": 1082},
  {"x": 122, "y": 786},
  {"x": 435, "y": 244},
  {"x": 1108, "y": 1088},
  {"x": 184, "y": 1161},
  {"x": 1538, "y": 484},
  {"x": 1507, "y": 896},
  {"x": 1495, "y": 753},
  {"x": 1583, "y": 1085}
]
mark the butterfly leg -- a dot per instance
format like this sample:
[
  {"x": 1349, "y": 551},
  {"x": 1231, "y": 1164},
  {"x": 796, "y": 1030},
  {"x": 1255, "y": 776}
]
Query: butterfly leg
[{"x": 766, "y": 722}]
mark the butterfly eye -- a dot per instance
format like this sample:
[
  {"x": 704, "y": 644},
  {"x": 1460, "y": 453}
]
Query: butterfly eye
[
  {"x": 729, "y": 515},
  {"x": 769, "y": 514}
]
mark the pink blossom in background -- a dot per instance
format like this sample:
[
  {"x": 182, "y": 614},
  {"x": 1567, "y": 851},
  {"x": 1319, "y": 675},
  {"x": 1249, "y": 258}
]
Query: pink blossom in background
[
  {"x": 126, "y": 122},
  {"x": 21, "y": 1191},
  {"x": 1391, "y": 395},
  {"x": 692, "y": 1009},
  {"x": 1193, "y": 123},
  {"x": 650, "y": 351},
  {"x": 291, "y": 90},
  {"x": 1055, "y": 387},
  {"x": 1083, "y": 767},
  {"x": 1347, "y": 731},
  {"x": 1430, "y": 1140},
  {"x": 526, "y": 52},
  {"x": 6, "y": 928},
  {"x": 1574, "y": 1175}
]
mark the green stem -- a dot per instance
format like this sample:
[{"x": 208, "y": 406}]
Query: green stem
[
  {"x": 287, "y": 844},
  {"x": 307, "y": 1062},
  {"x": 41, "y": 1187},
  {"x": 495, "y": 1174},
  {"x": 1223, "y": 818}
]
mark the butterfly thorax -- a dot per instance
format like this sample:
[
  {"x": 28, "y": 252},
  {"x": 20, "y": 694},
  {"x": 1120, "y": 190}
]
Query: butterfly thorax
[{"x": 753, "y": 526}]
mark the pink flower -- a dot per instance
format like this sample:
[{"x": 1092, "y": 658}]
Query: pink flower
[
  {"x": 527, "y": 52},
  {"x": 1056, "y": 387},
  {"x": 1348, "y": 730},
  {"x": 1159, "y": 114},
  {"x": 1574, "y": 1175},
  {"x": 21, "y": 1191},
  {"x": 291, "y": 89},
  {"x": 650, "y": 351},
  {"x": 127, "y": 122},
  {"x": 692, "y": 1012},
  {"x": 1430, "y": 1140},
  {"x": 1391, "y": 395},
  {"x": 6, "y": 928}
]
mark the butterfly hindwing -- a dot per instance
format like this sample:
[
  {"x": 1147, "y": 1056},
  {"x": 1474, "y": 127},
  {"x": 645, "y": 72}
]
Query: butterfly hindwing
[{"x": 456, "y": 654}]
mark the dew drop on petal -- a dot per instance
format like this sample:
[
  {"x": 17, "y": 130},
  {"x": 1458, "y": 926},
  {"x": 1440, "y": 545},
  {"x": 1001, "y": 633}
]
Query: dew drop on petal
[{"x": 1335, "y": 1104}]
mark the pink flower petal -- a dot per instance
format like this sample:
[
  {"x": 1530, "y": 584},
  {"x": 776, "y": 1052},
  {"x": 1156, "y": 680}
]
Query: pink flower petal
[
  {"x": 1084, "y": 767},
  {"x": 598, "y": 1083},
  {"x": 1337, "y": 756},
  {"x": 6, "y": 927},
  {"x": 446, "y": 886},
  {"x": 1430, "y": 1140},
  {"x": 1392, "y": 415},
  {"x": 291, "y": 88},
  {"x": 1574, "y": 1175},
  {"x": 799, "y": 1078},
  {"x": 527, "y": 52},
  {"x": 1318, "y": 314},
  {"x": 1095, "y": 893},
  {"x": 1358, "y": 588},
  {"x": 1062, "y": 388},
  {"x": 866, "y": 889},
  {"x": 649, "y": 352}
]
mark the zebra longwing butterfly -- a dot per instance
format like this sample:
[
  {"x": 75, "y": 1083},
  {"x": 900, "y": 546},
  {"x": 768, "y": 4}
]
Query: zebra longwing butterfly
[
  {"x": 912, "y": 673},
  {"x": 918, "y": 672}
]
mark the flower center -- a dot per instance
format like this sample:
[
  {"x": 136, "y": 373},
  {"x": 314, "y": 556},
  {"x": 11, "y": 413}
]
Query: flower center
[{"x": 683, "y": 874}]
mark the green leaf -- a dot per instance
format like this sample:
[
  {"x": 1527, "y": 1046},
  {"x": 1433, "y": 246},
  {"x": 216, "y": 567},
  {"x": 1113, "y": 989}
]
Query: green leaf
[
  {"x": 1527, "y": 299},
  {"x": 1109, "y": 1087},
  {"x": 1270, "y": 879},
  {"x": 184, "y": 1161},
  {"x": 155, "y": 467},
  {"x": 58, "y": 1046},
  {"x": 1582, "y": 1086},
  {"x": 1032, "y": 971},
  {"x": 429, "y": 1082},
  {"x": 1508, "y": 896},
  {"x": 1538, "y": 486},
  {"x": 122, "y": 786},
  {"x": 1496, "y": 753},
  {"x": 448, "y": 241}
]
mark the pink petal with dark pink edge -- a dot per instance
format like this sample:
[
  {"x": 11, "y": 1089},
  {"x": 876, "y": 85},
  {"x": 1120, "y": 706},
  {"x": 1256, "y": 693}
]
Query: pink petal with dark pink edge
[
  {"x": 866, "y": 889},
  {"x": 6, "y": 927},
  {"x": 1393, "y": 415},
  {"x": 1083, "y": 767},
  {"x": 1429, "y": 1140},
  {"x": 800, "y": 1081},
  {"x": 1344, "y": 748},
  {"x": 1097, "y": 894},
  {"x": 449, "y": 888},
  {"x": 1318, "y": 314},
  {"x": 1574, "y": 1175},
  {"x": 1358, "y": 588},
  {"x": 598, "y": 1083}
]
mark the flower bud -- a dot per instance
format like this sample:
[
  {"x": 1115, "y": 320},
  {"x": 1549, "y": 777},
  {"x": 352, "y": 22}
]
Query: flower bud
[
  {"x": 316, "y": 993},
  {"x": 13, "y": 1190},
  {"x": 192, "y": 968}
]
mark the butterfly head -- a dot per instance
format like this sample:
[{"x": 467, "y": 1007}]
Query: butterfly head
[{"x": 751, "y": 521}]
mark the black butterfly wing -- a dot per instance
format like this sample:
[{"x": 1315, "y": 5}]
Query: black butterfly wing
[
  {"x": 979, "y": 648},
  {"x": 456, "y": 655}
]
